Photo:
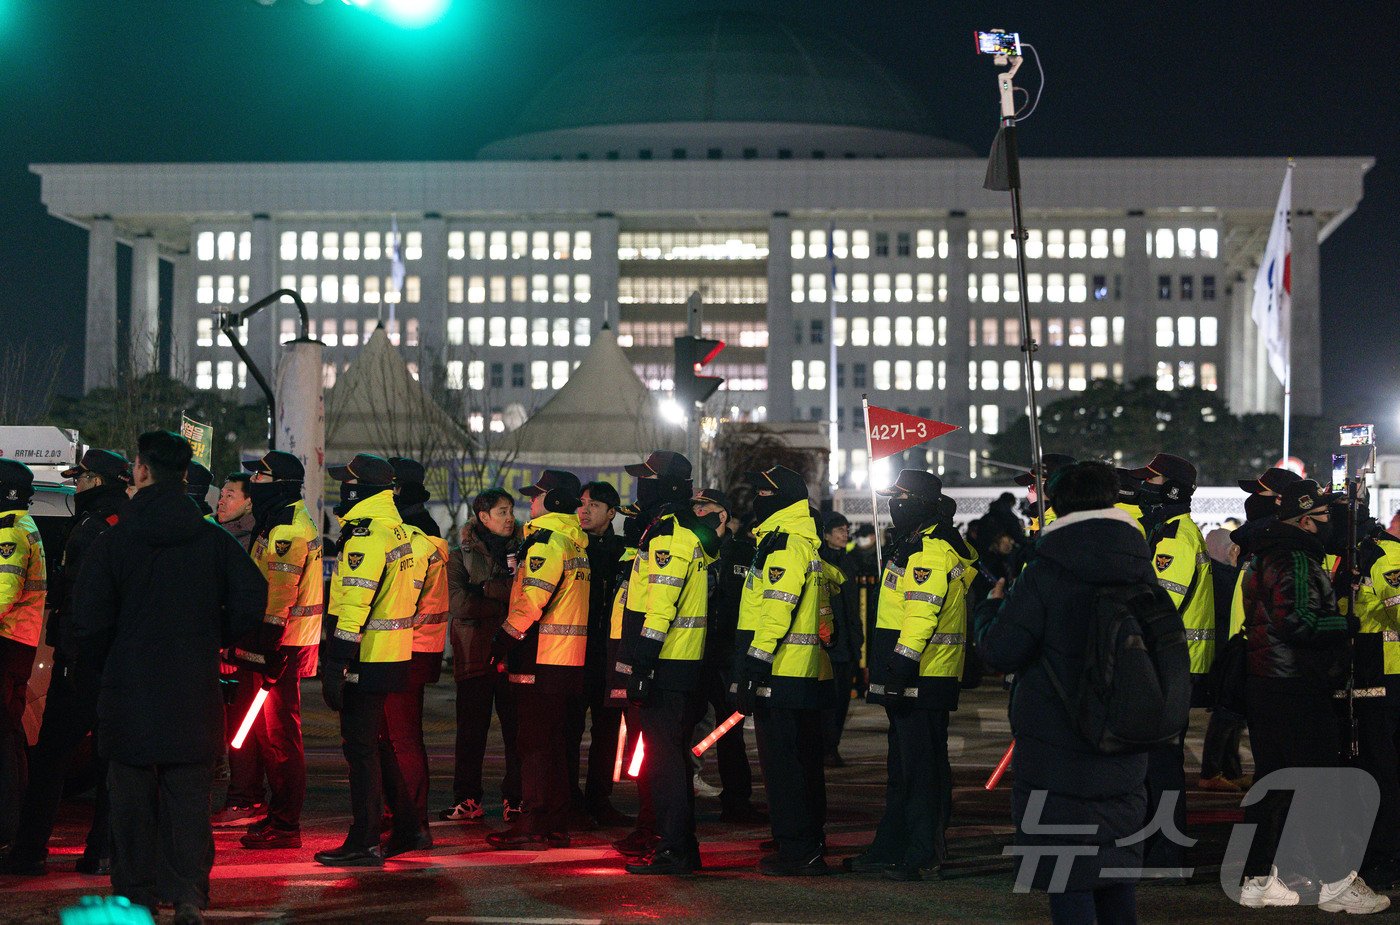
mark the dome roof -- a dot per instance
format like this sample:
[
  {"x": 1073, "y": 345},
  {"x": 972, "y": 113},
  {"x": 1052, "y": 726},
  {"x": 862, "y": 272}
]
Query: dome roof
[{"x": 725, "y": 68}]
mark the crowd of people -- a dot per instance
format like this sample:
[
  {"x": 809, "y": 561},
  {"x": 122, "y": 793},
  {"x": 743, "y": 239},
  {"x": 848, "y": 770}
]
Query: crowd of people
[{"x": 1113, "y": 601}]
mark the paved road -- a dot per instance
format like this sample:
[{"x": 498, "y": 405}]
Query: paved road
[{"x": 461, "y": 880}]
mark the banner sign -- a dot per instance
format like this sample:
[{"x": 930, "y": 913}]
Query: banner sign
[
  {"x": 894, "y": 432},
  {"x": 201, "y": 438}
]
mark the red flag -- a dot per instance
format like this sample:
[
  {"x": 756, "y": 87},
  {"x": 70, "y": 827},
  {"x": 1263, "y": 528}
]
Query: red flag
[{"x": 892, "y": 432}]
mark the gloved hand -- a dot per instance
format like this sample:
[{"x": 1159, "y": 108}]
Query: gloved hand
[
  {"x": 333, "y": 683},
  {"x": 902, "y": 672},
  {"x": 743, "y": 695},
  {"x": 276, "y": 664},
  {"x": 639, "y": 686},
  {"x": 501, "y": 648}
]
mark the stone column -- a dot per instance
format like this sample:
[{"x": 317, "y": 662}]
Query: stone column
[
  {"x": 431, "y": 310},
  {"x": 262, "y": 281},
  {"x": 183, "y": 312},
  {"x": 143, "y": 343},
  {"x": 100, "y": 346},
  {"x": 605, "y": 271},
  {"x": 781, "y": 350},
  {"x": 1140, "y": 304},
  {"x": 1307, "y": 329},
  {"x": 956, "y": 397}
]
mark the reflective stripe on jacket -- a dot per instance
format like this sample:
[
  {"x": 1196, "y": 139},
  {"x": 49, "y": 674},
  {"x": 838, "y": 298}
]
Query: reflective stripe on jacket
[
  {"x": 549, "y": 599},
  {"x": 289, "y": 556},
  {"x": 23, "y": 578},
  {"x": 1182, "y": 565},
  {"x": 432, "y": 610}
]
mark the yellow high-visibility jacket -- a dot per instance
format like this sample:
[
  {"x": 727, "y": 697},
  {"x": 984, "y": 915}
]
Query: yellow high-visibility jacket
[
  {"x": 618, "y": 670},
  {"x": 373, "y": 597},
  {"x": 673, "y": 561},
  {"x": 24, "y": 578},
  {"x": 431, "y": 613},
  {"x": 1378, "y": 611},
  {"x": 780, "y": 613},
  {"x": 1183, "y": 569},
  {"x": 548, "y": 613},
  {"x": 289, "y": 556},
  {"x": 922, "y": 616}
]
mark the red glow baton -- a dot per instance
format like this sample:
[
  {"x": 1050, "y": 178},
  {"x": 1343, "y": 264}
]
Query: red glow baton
[
  {"x": 621, "y": 747},
  {"x": 1002, "y": 765},
  {"x": 253, "y": 712},
  {"x": 704, "y": 744},
  {"x": 635, "y": 767}
]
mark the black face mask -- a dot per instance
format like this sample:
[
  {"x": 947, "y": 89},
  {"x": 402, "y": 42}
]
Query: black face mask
[
  {"x": 765, "y": 506},
  {"x": 410, "y": 495},
  {"x": 269, "y": 496},
  {"x": 633, "y": 528},
  {"x": 1257, "y": 507},
  {"x": 909, "y": 514},
  {"x": 353, "y": 494}
]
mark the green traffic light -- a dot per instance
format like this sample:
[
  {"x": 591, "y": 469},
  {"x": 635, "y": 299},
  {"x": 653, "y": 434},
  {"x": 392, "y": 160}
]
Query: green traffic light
[{"x": 409, "y": 13}]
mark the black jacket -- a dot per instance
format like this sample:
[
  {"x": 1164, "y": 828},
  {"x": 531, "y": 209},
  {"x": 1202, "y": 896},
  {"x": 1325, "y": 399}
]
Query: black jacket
[
  {"x": 1043, "y": 626},
  {"x": 97, "y": 510},
  {"x": 416, "y": 515},
  {"x": 848, "y": 631},
  {"x": 726, "y": 587},
  {"x": 1291, "y": 623},
  {"x": 604, "y": 553},
  {"x": 160, "y": 594}
]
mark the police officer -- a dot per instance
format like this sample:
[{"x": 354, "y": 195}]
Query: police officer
[
  {"x": 403, "y": 754},
  {"x": 782, "y": 674},
  {"x": 665, "y": 658},
  {"x": 848, "y": 631},
  {"x": 287, "y": 549},
  {"x": 197, "y": 482},
  {"x": 70, "y": 711},
  {"x": 541, "y": 647},
  {"x": 373, "y": 598},
  {"x": 663, "y": 486},
  {"x": 1049, "y": 464},
  {"x": 917, "y": 661},
  {"x": 23, "y": 589},
  {"x": 1182, "y": 564}
]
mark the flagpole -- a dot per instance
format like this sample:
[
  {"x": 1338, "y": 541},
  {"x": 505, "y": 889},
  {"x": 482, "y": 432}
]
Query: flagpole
[
  {"x": 1288, "y": 334},
  {"x": 869, "y": 477},
  {"x": 832, "y": 477}
]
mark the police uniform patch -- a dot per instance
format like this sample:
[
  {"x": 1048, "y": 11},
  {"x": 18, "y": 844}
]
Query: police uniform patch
[
  {"x": 1164, "y": 562},
  {"x": 536, "y": 563},
  {"x": 775, "y": 575},
  {"x": 353, "y": 559},
  {"x": 360, "y": 531},
  {"x": 662, "y": 558},
  {"x": 1391, "y": 578},
  {"x": 7, "y": 550},
  {"x": 921, "y": 575},
  {"x": 283, "y": 547}
]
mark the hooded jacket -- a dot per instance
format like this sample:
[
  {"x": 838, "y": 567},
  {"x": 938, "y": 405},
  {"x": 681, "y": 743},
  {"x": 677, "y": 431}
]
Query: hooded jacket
[
  {"x": 478, "y": 588},
  {"x": 1291, "y": 623},
  {"x": 548, "y": 615},
  {"x": 160, "y": 594}
]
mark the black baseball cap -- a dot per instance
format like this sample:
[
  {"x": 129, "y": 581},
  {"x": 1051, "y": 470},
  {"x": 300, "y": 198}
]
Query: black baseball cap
[
  {"x": 365, "y": 467},
  {"x": 603, "y": 492},
  {"x": 554, "y": 480},
  {"x": 712, "y": 496},
  {"x": 106, "y": 463},
  {"x": 197, "y": 478},
  {"x": 1049, "y": 462},
  {"x": 14, "y": 472},
  {"x": 1167, "y": 466},
  {"x": 1304, "y": 496},
  {"x": 916, "y": 482},
  {"x": 1274, "y": 480},
  {"x": 281, "y": 465},
  {"x": 832, "y": 520},
  {"x": 408, "y": 471},
  {"x": 663, "y": 464},
  {"x": 781, "y": 480}
]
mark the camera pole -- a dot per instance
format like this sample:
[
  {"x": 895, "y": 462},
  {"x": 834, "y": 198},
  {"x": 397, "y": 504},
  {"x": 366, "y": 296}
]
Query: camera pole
[{"x": 1004, "y": 174}]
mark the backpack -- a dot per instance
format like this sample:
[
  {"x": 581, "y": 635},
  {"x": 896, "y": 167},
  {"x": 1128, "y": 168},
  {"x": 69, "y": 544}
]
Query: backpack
[{"x": 1134, "y": 691}]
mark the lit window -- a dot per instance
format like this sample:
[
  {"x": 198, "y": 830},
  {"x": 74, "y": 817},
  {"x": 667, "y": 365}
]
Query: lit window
[
  {"x": 204, "y": 290},
  {"x": 583, "y": 245},
  {"x": 476, "y": 332},
  {"x": 816, "y": 285},
  {"x": 1166, "y": 336},
  {"x": 923, "y": 331},
  {"x": 972, "y": 287},
  {"x": 456, "y": 247},
  {"x": 224, "y": 378},
  {"x": 1078, "y": 337},
  {"x": 308, "y": 288},
  {"x": 204, "y": 245},
  {"x": 561, "y": 287},
  {"x": 1209, "y": 332},
  {"x": 560, "y": 369},
  {"x": 330, "y": 246},
  {"x": 904, "y": 331},
  {"x": 799, "y": 287},
  {"x": 838, "y": 243},
  {"x": 860, "y": 332},
  {"x": 923, "y": 244},
  {"x": 881, "y": 335},
  {"x": 1208, "y": 381},
  {"x": 330, "y": 289},
  {"x": 860, "y": 244},
  {"x": 456, "y": 328},
  {"x": 1120, "y": 242},
  {"x": 1186, "y": 332},
  {"x": 582, "y": 287},
  {"x": 288, "y": 249},
  {"x": 476, "y": 245},
  {"x": 1209, "y": 245},
  {"x": 519, "y": 245},
  {"x": 1186, "y": 374},
  {"x": 1054, "y": 287},
  {"x": 990, "y": 330},
  {"x": 539, "y": 288},
  {"x": 350, "y": 288},
  {"x": 1078, "y": 287},
  {"x": 1054, "y": 375},
  {"x": 561, "y": 245},
  {"x": 328, "y": 332},
  {"x": 923, "y": 375},
  {"x": 498, "y": 289},
  {"x": 991, "y": 419},
  {"x": 412, "y": 288},
  {"x": 1098, "y": 371},
  {"x": 1186, "y": 245},
  {"x": 582, "y": 331},
  {"x": 990, "y": 373},
  {"x": 838, "y": 288},
  {"x": 1011, "y": 332},
  {"x": 204, "y": 332},
  {"x": 1078, "y": 247},
  {"x": 1035, "y": 244},
  {"x": 498, "y": 249},
  {"x": 413, "y": 245},
  {"x": 881, "y": 290},
  {"x": 991, "y": 243},
  {"x": 1035, "y": 287},
  {"x": 799, "y": 246},
  {"x": 903, "y": 375},
  {"x": 816, "y": 375},
  {"x": 1165, "y": 246},
  {"x": 1117, "y": 330},
  {"x": 476, "y": 375},
  {"x": 860, "y": 287},
  {"x": 1098, "y": 243},
  {"x": 456, "y": 289},
  {"x": 539, "y": 374},
  {"x": 204, "y": 374},
  {"x": 882, "y": 374},
  {"x": 991, "y": 290},
  {"x": 1098, "y": 331},
  {"x": 518, "y": 332},
  {"x": 372, "y": 249},
  {"x": 1055, "y": 331},
  {"x": 1011, "y": 375},
  {"x": 924, "y": 288},
  {"x": 454, "y": 374},
  {"x": 561, "y": 332},
  {"x": 350, "y": 332},
  {"x": 1055, "y": 243},
  {"x": 371, "y": 290},
  {"x": 476, "y": 290},
  {"x": 308, "y": 245},
  {"x": 1165, "y": 381},
  {"x": 498, "y": 332},
  {"x": 1010, "y": 288},
  {"x": 1077, "y": 381},
  {"x": 351, "y": 246}
]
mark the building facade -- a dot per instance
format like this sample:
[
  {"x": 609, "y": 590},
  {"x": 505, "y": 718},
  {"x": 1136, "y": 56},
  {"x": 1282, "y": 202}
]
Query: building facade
[{"x": 800, "y": 224}]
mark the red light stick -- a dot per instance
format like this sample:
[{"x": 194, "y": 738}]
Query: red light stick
[
  {"x": 704, "y": 744},
  {"x": 635, "y": 767},
  {"x": 253, "y": 712},
  {"x": 1002, "y": 765},
  {"x": 621, "y": 747}
]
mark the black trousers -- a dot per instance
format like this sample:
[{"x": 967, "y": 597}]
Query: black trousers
[
  {"x": 834, "y": 717},
  {"x": 646, "y": 809},
  {"x": 1291, "y": 725},
  {"x": 1166, "y": 779},
  {"x": 1220, "y": 753},
  {"x": 475, "y": 699},
  {"x": 403, "y": 756},
  {"x": 918, "y": 788},
  {"x": 70, "y": 713},
  {"x": 16, "y": 663},
  {"x": 790, "y": 753},
  {"x": 735, "y": 775},
  {"x": 162, "y": 843},
  {"x": 596, "y": 792},
  {"x": 361, "y": 723},
  {"x": 1377, "y": 724},
  {"x": 544, "y": 775},
  {"x": 273, "y": 747},
  {"x": 668, "y": 723}
]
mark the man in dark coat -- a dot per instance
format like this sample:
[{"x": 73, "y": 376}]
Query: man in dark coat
[
  {"x": 161, "y": 593},
  {"x": 1042, "y": 627},
  {"x": 848, "y": 636}
]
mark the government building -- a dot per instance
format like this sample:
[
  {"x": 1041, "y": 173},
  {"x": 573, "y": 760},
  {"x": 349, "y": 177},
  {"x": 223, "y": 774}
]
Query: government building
[{"x": 783, "y": 176}]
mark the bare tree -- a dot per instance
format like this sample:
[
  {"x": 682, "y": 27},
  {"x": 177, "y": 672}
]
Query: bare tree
[
  {"x": 741, "y": 448},
  {"x": 28, "y": 382}
]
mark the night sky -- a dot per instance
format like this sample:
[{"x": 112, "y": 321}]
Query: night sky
[{"x": 230, "y": 80}]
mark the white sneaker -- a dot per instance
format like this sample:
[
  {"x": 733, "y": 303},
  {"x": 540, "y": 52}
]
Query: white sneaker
[
  {"x": 704, "y": 788},
  {"x": 1258, "y": 892},
  {"x": 512, "y": 811},
  {"x": 1351, "y": 894},
  {"x": 465, "y": 811}
]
